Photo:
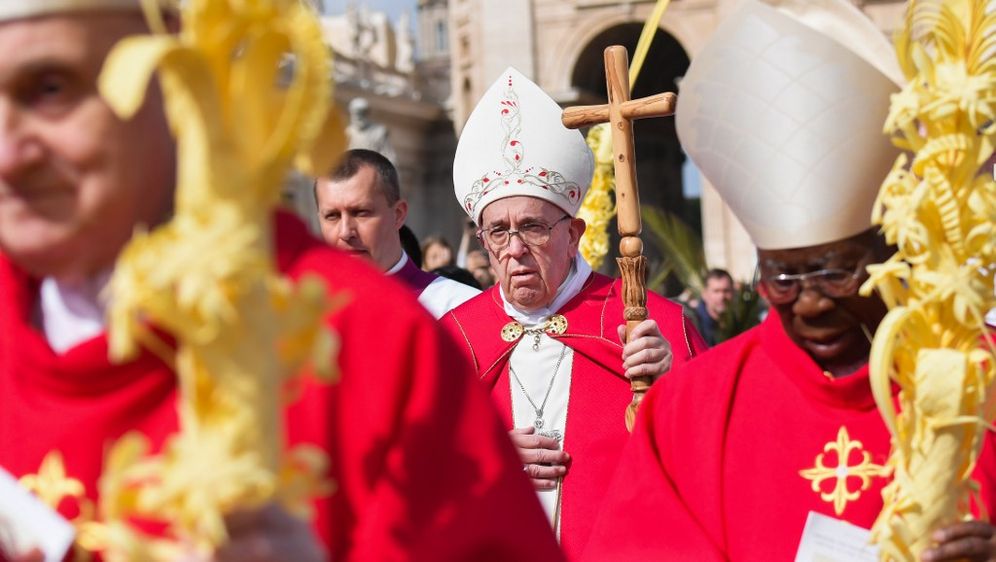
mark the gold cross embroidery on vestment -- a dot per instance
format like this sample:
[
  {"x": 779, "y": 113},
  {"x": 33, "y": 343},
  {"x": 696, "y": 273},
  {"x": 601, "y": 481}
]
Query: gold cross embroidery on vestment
[
  {"x": 53, "y": 485},
  {"x": 865, "y": 470}
]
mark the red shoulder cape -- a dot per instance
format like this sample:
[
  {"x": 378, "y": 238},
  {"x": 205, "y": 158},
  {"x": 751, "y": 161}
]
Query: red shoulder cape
[{"x": 599, "y": 392}]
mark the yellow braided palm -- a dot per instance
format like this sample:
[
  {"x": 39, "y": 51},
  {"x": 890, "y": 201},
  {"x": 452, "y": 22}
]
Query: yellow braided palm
[
  {"x": 246, "y": 89},
  {"x": 940, "y": 211},
  {"x": 598, "y": 207}
]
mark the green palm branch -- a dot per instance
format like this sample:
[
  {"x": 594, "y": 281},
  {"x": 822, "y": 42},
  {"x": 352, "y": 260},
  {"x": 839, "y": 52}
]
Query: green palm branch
[
  {"x": 684, "y": 257},
  {"x": 743, "y": 312},
  {"x": 680, "y": 247}
]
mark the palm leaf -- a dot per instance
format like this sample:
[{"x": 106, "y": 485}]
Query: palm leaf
[
  {"x": 680, "y": 247},
  {"x": 743, "y": 313}
]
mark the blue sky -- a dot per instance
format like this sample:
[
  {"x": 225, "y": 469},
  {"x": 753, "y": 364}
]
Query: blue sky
[
  {"x": 691, "y": 180},
  {"x": 393, "y": 8}
]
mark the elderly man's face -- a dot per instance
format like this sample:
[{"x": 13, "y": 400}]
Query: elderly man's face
[
  {"x": 531, "y": 275},
  {"x": 824, "y": 315},
  {"x": 75, "y": 180}
]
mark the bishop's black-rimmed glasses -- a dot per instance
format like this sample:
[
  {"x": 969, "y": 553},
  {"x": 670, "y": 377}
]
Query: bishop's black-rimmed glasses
[
  {"x": 834, "y": 283},
  {"x": 531, "y": 234}
]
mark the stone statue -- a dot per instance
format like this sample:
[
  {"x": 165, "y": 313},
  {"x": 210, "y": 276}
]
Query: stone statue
[{"x": 364, "y": 133}]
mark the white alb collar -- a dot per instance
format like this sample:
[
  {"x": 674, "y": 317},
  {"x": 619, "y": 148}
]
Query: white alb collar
[
  {"x": 400, "y": 265},
  {"x": 72, "y": 313}
]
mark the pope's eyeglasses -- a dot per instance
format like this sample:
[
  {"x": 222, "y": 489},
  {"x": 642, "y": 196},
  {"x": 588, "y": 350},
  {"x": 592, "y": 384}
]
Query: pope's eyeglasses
[{"x": 531, "y": 234}]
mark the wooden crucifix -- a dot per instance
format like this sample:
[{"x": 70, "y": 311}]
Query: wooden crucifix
[{"x": 620, "y": 113}]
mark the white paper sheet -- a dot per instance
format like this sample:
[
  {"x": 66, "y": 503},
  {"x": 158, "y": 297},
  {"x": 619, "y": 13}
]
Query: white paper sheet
[{"x": 825, "y": 539}]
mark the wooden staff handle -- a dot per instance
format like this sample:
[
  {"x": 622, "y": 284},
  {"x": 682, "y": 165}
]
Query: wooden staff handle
[
  {"x": 619, "y": 113},
  {"x": 657, "y": 105},
  {"x": 632, "y": 264}
]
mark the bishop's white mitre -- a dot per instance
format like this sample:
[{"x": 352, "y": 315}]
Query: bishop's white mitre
[
  {"x": 514, "y": 144},
  {"x": 783, "y": 112}
]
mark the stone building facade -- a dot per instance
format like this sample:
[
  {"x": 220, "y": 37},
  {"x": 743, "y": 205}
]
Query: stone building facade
[{"x": 406, "y": 85}]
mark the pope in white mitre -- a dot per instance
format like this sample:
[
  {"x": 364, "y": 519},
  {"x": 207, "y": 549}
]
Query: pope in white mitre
[{"x": 547, "y": 338}]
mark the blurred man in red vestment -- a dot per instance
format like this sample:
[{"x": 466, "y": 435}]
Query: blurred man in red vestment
[
  {"x": 547, "y": 338},
  {"x": 422, "y": 465},
  {"x": 770, "y": 446}
]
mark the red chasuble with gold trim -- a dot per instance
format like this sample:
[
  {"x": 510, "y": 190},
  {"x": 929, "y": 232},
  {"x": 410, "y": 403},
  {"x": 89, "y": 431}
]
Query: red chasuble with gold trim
[
  {"x": 599, "y": 393},
  {"x": 423, "y": 468},
  {"x": 731, "y": 453}
]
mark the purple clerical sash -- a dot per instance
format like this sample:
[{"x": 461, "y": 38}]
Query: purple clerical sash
[{"x": 414, "y": 277}]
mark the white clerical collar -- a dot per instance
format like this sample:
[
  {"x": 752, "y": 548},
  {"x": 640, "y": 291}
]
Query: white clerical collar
[
  {"x": 580, "y": 271},
  {"x": 398, "y": 266},
  {"x": 72, "y": 313}
]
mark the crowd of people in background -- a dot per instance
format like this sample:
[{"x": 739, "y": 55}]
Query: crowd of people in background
[{"x": 470, "y": 264}]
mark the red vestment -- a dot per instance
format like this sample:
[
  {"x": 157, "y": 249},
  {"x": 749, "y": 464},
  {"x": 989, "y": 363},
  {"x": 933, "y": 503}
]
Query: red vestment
[
  {"x": 718, "y": 449},
  {"x": 599, "y": 392},
  {"x": 422, "y": 464}
]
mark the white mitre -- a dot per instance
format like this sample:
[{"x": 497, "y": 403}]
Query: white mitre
[
  {"x": 783, "y": 112},
  {"x": 514, "y": 144},
  {"x": 17, "y": 9}
]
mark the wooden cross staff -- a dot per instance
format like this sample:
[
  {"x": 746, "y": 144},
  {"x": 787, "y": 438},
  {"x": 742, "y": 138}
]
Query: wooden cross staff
[{"x": 620, "y": 112}]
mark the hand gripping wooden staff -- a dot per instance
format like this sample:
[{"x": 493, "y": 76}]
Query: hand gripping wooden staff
[{"x": 620, "y": 113}]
